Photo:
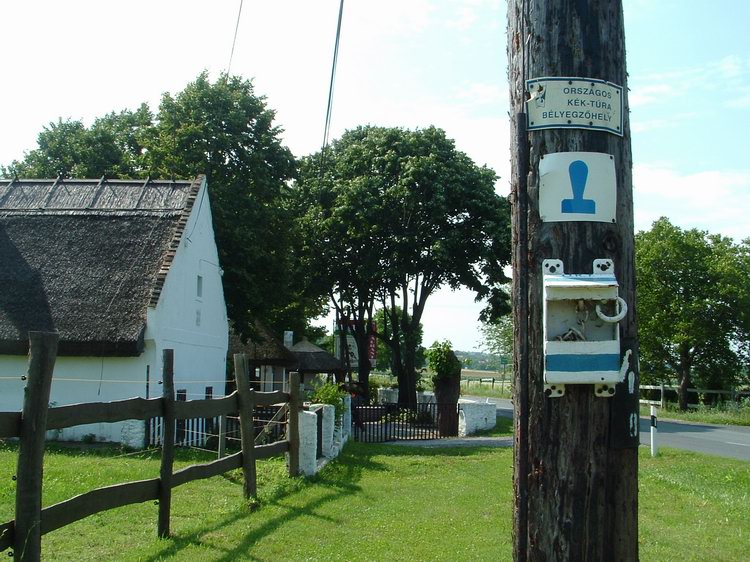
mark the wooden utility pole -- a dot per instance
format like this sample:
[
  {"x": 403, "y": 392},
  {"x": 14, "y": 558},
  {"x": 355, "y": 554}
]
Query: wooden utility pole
[{"x": 576, "y": 462}]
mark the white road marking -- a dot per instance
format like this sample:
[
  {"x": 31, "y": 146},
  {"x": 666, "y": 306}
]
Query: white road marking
[{"x": 740, "y": 444}]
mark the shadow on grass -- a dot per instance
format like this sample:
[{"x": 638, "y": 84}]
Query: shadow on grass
[{"x": 339, "y": 477}]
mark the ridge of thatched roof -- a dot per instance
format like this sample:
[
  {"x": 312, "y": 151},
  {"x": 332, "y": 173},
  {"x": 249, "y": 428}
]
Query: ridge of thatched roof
[
  {"x": 313, "y": 359},
  {"x": 87, "y": 258},
  {"x": 262, "y": 348}
]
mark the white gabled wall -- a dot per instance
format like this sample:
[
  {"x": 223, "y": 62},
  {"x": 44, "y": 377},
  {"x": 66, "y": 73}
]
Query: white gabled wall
[{"x": 194, "y": 325}]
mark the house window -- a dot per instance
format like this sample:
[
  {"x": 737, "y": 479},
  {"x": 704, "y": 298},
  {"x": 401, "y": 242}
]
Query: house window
[
  {"x": 198, "y": 317},
  {"x": 199, "y": 287}
]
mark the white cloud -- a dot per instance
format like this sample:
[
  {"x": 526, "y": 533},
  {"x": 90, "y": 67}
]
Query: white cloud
[
  {"x": 726, "y": 74},
  {"x": 714, "y": 200},
  {"x": 649, "y": 94}
]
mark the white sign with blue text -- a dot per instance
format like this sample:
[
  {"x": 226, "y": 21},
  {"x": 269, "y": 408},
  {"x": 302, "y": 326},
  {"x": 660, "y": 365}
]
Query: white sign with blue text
[
  {"x": 577, "y": 186},
  {"x": 558, "y": 102}
]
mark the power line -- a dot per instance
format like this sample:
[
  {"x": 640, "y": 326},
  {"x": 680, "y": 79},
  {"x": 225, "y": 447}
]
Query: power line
[
  {"x": 329, "y": 109},
  {"x": 234, "y": 40}
]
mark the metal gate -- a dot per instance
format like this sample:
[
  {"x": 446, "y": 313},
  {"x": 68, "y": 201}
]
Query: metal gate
[{"x": 391, "y": 422}]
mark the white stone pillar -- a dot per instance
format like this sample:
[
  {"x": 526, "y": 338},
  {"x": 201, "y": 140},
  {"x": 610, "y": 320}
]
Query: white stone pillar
[{"x": 308, "y": 443}]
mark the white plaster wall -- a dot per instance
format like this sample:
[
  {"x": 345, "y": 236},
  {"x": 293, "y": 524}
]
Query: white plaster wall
[
  {"x": 475, "y": 416},
  {"x": 194, "y": 325},
  {"x": 86, "y": 379}
]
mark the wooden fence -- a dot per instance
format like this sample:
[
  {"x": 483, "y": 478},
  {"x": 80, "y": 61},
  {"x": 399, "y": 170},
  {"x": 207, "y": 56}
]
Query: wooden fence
[
  {"x": 733, "y": 395},
  {"x": 501, "y": 381},
  {"x": 31, "y": 521}
]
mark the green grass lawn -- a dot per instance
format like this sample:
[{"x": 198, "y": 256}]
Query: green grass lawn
[
  {"x": 723, "y": 415},
  {"x": 376, "y": 502}
]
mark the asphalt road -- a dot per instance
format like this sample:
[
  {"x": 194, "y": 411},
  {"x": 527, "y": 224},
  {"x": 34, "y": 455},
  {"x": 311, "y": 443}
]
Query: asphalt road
[{"x": 723, "y": 440}]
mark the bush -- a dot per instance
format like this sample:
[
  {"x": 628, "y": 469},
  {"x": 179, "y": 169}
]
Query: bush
[{"x": 330, "y": 393}]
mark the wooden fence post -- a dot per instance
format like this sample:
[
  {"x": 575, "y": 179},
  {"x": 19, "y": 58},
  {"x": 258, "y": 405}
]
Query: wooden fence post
[
  {"x": 28, "y": 535},
  {"x": 167, "y": 443},
  {"x": 662, "y": 398},
  {"x": 295, "y": 406},
  {"x": 247, "y": 427},
  {"x": 222, "y": 447}
]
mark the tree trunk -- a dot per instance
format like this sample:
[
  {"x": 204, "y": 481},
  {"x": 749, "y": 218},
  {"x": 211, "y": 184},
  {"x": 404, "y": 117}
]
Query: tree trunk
[
  {"x": 682, "y": 389},
  {"x": 684, "y": 370},
  {"x": 407, "y": 384},
  {"x": 575, "y": 457},
  {"x": 364, "y": 367},
  {"x": 447, "y": 391}
]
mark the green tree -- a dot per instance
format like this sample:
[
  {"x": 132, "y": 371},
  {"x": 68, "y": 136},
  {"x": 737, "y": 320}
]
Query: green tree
[
  {"x": 391, "y": 216},
  {"x": 693, "y": 304},
  {"x": 112, "y": 146},
  {"x": 384, "y": 356},
  {"x": 226, "y": 131},
  {"x": 497, "y": 337}
]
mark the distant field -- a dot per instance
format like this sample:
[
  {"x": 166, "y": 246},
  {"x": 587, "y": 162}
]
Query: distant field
[{"x": 472, "y": 374}]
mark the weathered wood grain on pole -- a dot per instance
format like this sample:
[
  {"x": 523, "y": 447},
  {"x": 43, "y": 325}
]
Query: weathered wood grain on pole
[
  {"x": 167, "y": 444},
  {"x": 295, "y": 407},
  {"x": 29, "y": 471},
  {"x": 247, "y": 427},
  {"x": 222, "y": 446},
  {"x": 575, "y": 467}
]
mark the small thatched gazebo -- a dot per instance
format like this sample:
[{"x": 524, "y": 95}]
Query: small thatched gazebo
[
  {"x": 267, "y": 357},
  {"x": 312, "y": 360}
]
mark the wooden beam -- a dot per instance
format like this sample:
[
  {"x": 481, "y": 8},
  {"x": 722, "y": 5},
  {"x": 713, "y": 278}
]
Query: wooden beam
[
  {"x": 576, "y": 456},
  {"x": 207, "y": 408},
  {"x": 247, "y": 427},
  {"x": 167, "y": 444},
  {"x": 103, "y": 412},
  {"x": 271, "y": 398},
  {"x": 295, "y": 407},
  {"x": 207, "y": 470},
  {"x": 271, "y": 450},
  {"x": 95, "y": 501},
  {"x": 28, "y": 536},
  {"x": 10, "y": 424},
  {"x": 6, "y": 535}
]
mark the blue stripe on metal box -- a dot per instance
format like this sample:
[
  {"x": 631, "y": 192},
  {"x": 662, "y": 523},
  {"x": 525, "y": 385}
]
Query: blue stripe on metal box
[{"x": 574, "y": 363}]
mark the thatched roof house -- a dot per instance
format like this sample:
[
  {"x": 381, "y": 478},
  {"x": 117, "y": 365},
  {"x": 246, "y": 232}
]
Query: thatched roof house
[
  {"x": 122, "y": 269},
  {"x": 262, "y": 349},
  {"x": 86, "y": 258},
  {"x": 312, "y": 359}
]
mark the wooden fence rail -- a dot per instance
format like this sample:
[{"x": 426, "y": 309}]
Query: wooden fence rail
[
  {"x": 662, "y": 388},
  {"x": 31, "y": 521}
]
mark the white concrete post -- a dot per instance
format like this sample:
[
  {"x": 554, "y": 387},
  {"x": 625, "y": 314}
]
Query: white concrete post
[
  {"x": 329, "y": 422},
  {"x": 308, "y": 443},
  {"x": 346, "y": 419}
]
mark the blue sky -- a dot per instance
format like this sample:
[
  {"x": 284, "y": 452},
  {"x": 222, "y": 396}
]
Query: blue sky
[{"x": 408, "y": 63}]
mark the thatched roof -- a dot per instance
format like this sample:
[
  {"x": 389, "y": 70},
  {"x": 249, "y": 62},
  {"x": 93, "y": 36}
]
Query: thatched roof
[
  {"x": 312, "y": 359},
  {"x": 262, "y": 348},
  {"x": 86, "y": 258}
]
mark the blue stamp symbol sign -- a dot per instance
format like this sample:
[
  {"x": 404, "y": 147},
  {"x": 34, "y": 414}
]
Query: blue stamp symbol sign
[
  {"x": 577, "y": 186},
  {"x": 579, "y": 172}
]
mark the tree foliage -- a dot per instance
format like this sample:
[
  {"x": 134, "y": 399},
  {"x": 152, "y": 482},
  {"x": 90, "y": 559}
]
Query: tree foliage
[
  {"x": 391, "y": 215},
  {"x": 443, "y": 361},
  {"x": 384, "y": 355},
  {"x": 693, "y": 304},
  {"x": 226, "y": 131}
]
